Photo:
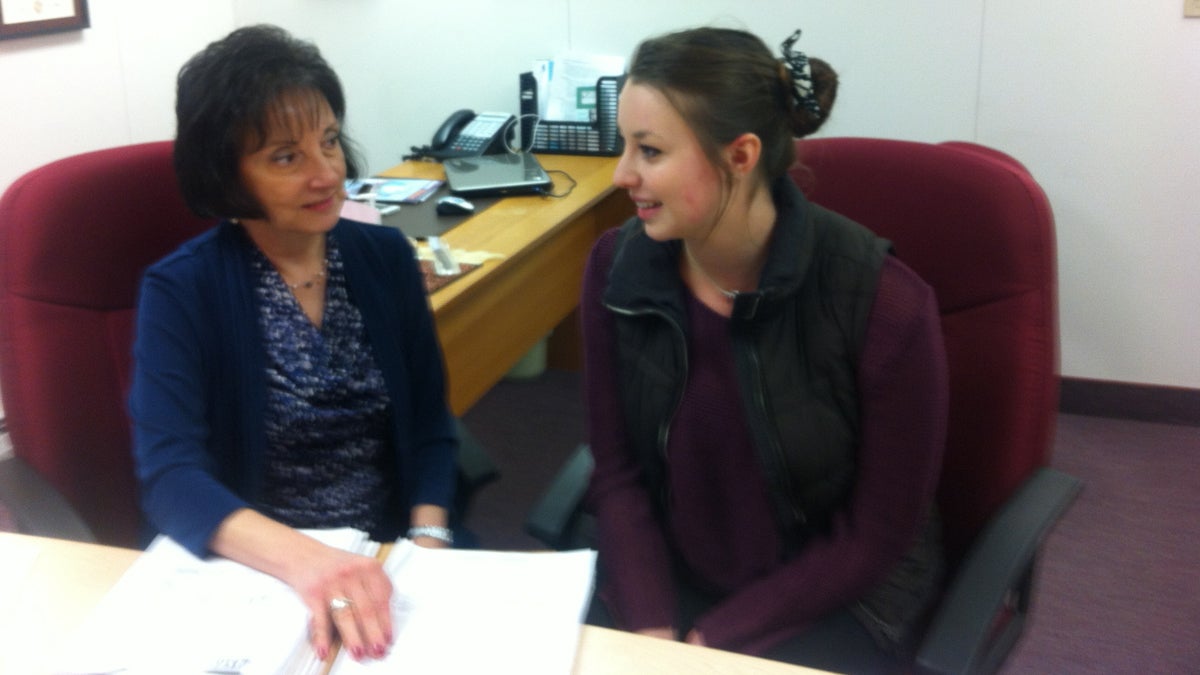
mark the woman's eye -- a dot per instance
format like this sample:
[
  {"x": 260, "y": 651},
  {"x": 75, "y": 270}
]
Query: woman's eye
[
  {"x": 283, "y": 158},
  {"x": 649, "y": 152},
  {"x": 333, "y": 141}
]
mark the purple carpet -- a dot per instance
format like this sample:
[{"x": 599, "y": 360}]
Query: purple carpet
[{"x": 1119, "y": 585}]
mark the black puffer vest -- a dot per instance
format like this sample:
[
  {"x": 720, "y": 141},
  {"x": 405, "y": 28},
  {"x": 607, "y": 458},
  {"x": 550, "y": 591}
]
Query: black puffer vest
[{"x": 796, "y": 339}]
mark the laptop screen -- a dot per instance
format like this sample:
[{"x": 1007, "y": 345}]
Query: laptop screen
[{"x": 505, "y": 174}]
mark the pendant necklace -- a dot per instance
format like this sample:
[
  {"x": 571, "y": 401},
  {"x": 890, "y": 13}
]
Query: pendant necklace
[{"x": 732, "y": 295}]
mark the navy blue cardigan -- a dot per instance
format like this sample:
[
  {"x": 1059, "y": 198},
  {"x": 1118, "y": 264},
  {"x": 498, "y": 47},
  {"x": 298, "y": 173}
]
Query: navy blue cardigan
[{"x": 198, "y": 394}]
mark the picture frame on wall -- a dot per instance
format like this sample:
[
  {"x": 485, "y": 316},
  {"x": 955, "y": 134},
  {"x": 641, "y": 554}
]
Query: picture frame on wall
[{"x": 21, "y": 18}]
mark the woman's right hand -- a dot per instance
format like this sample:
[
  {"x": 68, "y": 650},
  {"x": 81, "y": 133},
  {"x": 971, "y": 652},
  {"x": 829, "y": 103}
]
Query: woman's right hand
[{"x": 346, "y": 593}]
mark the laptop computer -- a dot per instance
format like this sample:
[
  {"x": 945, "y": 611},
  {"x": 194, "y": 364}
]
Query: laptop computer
[{"x": 503, "y": 174}]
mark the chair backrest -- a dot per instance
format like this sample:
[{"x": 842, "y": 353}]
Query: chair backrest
[
  {"x": 973, "y": 223},
  {"x": 75, "y": 237}
]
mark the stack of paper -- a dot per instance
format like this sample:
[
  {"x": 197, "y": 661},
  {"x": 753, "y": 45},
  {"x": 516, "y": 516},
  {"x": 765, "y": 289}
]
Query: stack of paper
[
  {"x": 454, "y": 611},
  {"x": 462, "y": 611},
  {"x": 172, "y": 612}
]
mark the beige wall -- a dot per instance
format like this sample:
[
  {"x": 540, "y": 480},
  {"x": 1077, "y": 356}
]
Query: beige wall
[{"x": 1098, "y": 98}]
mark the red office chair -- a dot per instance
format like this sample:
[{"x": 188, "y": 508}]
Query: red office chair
[
  {"x": 973, "y": 223},
  {"x": 75, "y": 236}
]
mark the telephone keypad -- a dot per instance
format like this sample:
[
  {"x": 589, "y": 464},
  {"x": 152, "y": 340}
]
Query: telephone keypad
[{"x": 479, "y": 132}]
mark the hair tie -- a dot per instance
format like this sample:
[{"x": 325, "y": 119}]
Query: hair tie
[{"x": 802, "y": 82}]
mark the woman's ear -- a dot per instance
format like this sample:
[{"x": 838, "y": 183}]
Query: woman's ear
[{"x": 742, "y": 154}]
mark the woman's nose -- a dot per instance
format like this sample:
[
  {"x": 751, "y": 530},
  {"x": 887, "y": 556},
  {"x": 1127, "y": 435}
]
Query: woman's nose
[
  {"x": 328, "y": 169},
  {"x": 624, "y": 176}
]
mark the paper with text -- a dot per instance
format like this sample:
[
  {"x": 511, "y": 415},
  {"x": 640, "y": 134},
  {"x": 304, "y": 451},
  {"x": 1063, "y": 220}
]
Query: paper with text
[
  {"x": 172, "y": 612},
  {"x": 567, "y": 85},
  {"x": 464, "y": 611}
]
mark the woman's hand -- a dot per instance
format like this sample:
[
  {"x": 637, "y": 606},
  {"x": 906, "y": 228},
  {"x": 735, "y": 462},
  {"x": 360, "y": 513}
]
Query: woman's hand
[
  {"x": 346, "y": 593},
  {"x": 695, "y": 637},
  {"x": 661, "y": 632}
]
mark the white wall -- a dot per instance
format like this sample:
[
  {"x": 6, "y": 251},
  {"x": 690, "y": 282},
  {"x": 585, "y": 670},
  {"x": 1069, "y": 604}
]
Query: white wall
[
  {"x": 112, "y": 84},
  {"x": 406, "y": 65},
  {"x": 1097, "y": 97},
  {"x": 892, "y": 83},
  {"x": 1101, "y": 100}
]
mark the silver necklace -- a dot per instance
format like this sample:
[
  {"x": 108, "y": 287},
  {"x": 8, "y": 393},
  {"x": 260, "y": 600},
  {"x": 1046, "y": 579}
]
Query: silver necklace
[
  {"x": 311, "y": 282},
  {"x": 700, "y": 268}
]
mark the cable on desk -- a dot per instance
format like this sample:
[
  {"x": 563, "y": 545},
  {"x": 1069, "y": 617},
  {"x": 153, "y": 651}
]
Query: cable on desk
[
  {"x": 422, "y": 153},
  {"x": 524, "y": 146},
  {"x": 566, "y": 175}
]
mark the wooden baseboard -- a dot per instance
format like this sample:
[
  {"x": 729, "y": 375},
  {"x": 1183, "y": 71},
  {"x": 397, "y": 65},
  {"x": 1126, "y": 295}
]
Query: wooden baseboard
[{"x": 1123, "y": 400}]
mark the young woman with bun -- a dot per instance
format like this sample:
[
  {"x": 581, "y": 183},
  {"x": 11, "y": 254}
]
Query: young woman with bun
[{"x": 766, "y": 383}]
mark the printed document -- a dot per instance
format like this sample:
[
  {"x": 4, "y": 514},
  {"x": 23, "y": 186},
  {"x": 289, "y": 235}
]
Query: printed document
[
  {"x": 454, "y": 611},
  {"x": 567, "y": 85},
  {"x": 172, "y": 612},
  {"x": 464, "y": 611}
]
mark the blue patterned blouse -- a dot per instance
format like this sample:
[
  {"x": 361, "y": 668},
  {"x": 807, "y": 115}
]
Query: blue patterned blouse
[{"x": 327, "y": 408}]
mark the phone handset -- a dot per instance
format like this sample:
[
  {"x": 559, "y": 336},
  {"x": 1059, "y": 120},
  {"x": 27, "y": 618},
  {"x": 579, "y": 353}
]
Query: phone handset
[
  {"x": 451, "y": 128},
  {"x": 465, "y": 134}
]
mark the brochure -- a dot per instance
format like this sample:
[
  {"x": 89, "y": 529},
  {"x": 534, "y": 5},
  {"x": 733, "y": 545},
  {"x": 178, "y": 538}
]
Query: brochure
[{"x": 392, "y": 190}]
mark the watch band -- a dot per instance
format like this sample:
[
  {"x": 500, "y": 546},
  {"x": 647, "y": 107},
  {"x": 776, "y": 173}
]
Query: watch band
[{"x": 433, "y": 532}]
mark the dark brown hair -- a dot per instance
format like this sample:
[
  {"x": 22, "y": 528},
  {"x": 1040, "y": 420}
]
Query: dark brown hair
[
  {"x": 228, "y": 96},
  {"x": 726, "y": 82}
]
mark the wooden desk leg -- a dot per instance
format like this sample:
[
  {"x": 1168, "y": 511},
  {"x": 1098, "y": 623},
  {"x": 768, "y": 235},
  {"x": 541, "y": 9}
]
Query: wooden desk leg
[{"x": 564, "y": 349}]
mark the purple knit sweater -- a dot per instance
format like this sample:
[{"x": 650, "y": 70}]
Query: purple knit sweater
[{"x": 720, "y": 521}]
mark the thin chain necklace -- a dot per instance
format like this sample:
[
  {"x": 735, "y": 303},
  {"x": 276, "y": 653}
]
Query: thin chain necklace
[
  {"x": 311, "y": 282},
  {"x": 700, "y": 268}
]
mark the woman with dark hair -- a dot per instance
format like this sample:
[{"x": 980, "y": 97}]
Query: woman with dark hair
[
  {"x": 766, "y": 384},
  {"x": 287, "y": 374}
]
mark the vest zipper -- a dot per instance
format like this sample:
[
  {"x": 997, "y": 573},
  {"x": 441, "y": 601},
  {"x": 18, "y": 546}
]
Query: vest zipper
[
  {"x": 664, "y": 428},
  {"x": 777, "y": 464}
]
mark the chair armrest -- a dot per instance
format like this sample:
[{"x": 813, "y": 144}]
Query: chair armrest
[
  {"x": 965, "y": 635},
  {"x": 475, "y": 470},
  {"x": 39, "y": 509},
  {"x": 475, "y": 466},
  {"x": 555, "y": 519}
]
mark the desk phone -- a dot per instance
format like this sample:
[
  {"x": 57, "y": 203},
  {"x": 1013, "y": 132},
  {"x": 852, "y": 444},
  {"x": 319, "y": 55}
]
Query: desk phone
[{"x": 466, "y": 134}]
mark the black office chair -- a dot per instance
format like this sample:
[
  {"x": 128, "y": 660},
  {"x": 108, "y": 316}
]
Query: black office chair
[{"x": 475, "y": 470}]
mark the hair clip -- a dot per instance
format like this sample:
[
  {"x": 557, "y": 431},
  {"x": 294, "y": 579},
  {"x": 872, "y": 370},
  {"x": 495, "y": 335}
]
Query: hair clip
[{"x": 802, "y": 82}]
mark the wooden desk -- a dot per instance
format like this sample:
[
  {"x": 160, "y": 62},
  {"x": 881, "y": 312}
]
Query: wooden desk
[
  {"x": 45, "y": 602},
  {"x": 490, "y": 318}
]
